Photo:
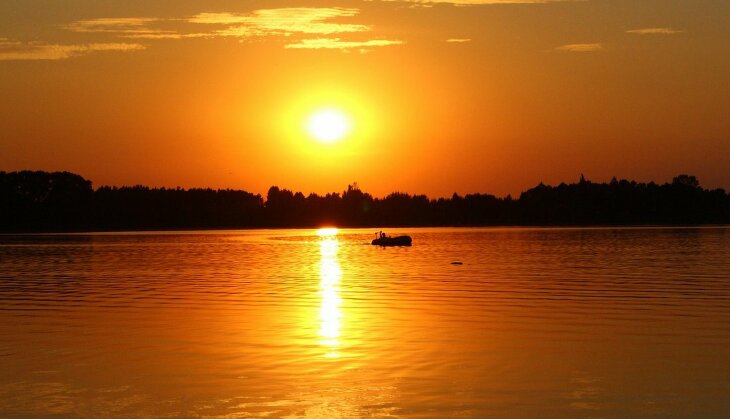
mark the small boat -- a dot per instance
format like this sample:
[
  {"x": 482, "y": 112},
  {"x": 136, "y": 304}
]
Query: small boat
[{"x": 384, "y": 240}]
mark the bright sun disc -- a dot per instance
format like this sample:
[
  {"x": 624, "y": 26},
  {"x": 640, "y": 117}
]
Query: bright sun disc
[{"x": 328, "y": 125}]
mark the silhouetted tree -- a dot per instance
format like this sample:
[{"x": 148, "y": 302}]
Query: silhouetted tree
[
  {"x": 686, "y": 180},
  {"x": 62, "y": 201},
  {"x": 42, "y": 201}
]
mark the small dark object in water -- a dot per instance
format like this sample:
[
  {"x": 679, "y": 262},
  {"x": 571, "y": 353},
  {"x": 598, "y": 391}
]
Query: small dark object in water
[
  {"x": 393, "y": 241},
  {"x": 457, "y": 263}
]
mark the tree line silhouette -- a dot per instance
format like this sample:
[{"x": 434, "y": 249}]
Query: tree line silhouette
[{"x": 36, "y": 201}]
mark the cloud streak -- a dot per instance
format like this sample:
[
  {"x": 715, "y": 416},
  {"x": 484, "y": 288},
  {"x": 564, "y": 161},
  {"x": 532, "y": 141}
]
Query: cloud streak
[
  {"x": 281, "y": 22},
  {"x": 284, "y": 21},
  {"x": 580, "y": 47},
  {"x": 128, "y": 27},
  {"x": 458, "y": 40},
  {"x": 112, "y": 25},
  {"x": 654, "y": 31},
  {"x": 336, "y": 43},
  {"x": 287, "y": 22},
  {"x": 19, "y": 51}
]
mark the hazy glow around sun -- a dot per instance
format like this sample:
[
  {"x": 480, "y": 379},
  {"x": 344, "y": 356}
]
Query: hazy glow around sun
[{"x": 328, "y": 125}]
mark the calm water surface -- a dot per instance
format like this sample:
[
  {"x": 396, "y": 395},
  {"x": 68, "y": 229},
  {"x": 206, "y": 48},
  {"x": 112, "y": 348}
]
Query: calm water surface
[{"x": 306, "y": 323}]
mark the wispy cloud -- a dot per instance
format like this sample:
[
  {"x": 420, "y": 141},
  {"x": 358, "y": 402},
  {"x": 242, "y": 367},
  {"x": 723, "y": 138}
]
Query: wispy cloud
[
  {"x": 114, "y": 24},
  {"x": 281, "y": 22},
  {"x": 16, "y": 50},
  {"x": 580, "y": 47},
  {"x": 458, "y": 40},
  {"x": 655, "y": 31},
  {"x": 336, "y": 43},
  {"x": 294, "y": 21},
  {"x": 165, "y": 35},
  {"x": 284, "y": 21},
  {"x": 128, "y": 27}
]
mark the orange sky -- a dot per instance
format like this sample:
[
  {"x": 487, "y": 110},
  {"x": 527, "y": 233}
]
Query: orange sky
[{"x": 443, "y": 97}]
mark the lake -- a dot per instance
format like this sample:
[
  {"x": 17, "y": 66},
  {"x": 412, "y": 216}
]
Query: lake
[{"x": 604, "y": 322}]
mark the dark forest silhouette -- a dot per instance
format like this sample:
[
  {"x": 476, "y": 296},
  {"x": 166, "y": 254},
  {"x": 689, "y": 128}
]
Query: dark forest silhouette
[{"x": 62, "y": 201}]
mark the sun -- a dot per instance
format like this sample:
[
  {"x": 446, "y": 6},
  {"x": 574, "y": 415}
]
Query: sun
[{"x": 328, "y": 125}]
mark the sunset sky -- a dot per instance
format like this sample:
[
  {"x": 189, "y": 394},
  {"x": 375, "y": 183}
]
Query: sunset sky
[{"x": 438, "y": 96}]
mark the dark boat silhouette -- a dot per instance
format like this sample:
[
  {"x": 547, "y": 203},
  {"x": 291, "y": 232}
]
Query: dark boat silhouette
[{"x": 383, "y": 240}]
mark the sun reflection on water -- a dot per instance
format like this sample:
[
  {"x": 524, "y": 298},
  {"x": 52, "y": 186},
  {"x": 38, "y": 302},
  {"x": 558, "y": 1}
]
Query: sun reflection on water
[{"x": 330, "y": 313}]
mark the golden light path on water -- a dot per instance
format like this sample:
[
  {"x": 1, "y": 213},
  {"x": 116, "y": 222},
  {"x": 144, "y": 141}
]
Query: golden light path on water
[{"x": 330, "y": 312}]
